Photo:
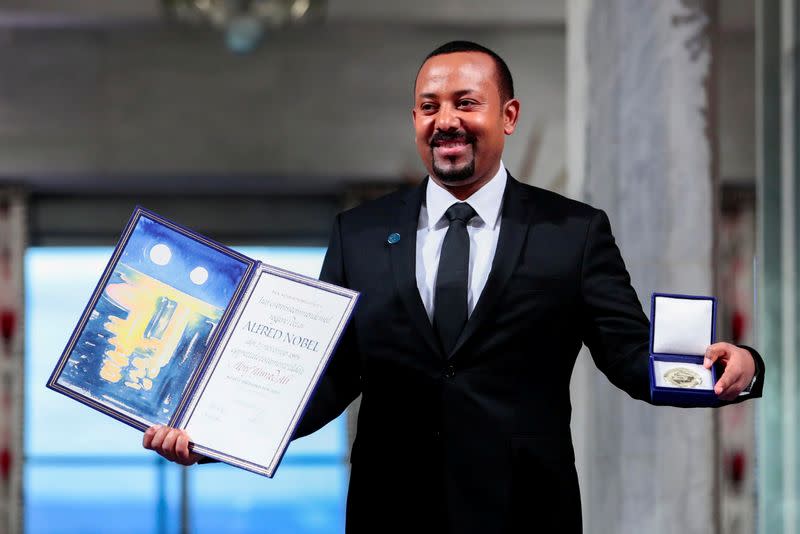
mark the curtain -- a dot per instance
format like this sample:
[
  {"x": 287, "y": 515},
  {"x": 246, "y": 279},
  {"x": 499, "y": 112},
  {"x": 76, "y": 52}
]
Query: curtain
[{"x": 13, "y": 237}]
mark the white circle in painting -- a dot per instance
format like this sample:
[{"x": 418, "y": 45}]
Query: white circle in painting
[
  {"x": 198, "y": 276},
  {"x": 160, "y": 254}
]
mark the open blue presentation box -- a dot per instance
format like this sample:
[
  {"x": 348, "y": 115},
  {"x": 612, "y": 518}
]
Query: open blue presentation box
[{"x": 681, "y": 328}]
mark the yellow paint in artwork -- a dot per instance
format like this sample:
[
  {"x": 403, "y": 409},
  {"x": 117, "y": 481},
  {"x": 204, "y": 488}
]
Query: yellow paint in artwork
[
  {"x": 117, "y": 358},
  {"x": 139, "y": 295},
  {"x": 110, "y": 372}
]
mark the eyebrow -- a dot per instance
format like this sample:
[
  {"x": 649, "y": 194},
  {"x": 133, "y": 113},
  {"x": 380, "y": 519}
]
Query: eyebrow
[{"x": 458, "y": 93}]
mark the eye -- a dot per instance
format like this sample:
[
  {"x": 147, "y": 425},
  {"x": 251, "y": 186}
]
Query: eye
[
  {"x": 427, "y": 107},
  {"x": 466, "y": 103}
]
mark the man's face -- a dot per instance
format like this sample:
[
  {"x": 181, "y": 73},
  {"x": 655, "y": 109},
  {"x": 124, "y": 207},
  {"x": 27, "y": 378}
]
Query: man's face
[{"x": 460, "y": 120}]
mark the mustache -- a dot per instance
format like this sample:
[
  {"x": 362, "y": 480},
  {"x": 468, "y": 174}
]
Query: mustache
[{"x": 443, "y": 137}]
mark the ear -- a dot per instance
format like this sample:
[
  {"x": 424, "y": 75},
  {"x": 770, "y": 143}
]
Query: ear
[{"x": 510, "y": 116}]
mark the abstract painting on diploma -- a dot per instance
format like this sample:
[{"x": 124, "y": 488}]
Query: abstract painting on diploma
[{"x": 152, "y": 321}]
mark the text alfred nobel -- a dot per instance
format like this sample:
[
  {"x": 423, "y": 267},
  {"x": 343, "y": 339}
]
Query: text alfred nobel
[{"x": 280, "y": 335}]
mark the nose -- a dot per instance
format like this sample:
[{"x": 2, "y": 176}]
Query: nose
[{"x": 447, "y": 119}]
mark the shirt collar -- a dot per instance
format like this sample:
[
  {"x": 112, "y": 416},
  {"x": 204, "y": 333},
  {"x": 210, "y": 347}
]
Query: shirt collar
[{"x": 486, "y": 201}]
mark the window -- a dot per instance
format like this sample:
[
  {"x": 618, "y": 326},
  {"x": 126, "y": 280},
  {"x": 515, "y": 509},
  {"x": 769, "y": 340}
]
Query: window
[{"x": 85, "y": 472}]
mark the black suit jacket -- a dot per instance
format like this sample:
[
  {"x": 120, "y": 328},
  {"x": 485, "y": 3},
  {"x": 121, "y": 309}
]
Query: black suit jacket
[{"x": 479, "y": 439}]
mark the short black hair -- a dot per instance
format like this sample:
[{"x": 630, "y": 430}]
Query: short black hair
[{"x": 504, "y": 80}]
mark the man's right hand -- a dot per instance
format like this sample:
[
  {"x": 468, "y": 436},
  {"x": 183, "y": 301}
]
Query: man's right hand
[{"x": 171, "y": 443}]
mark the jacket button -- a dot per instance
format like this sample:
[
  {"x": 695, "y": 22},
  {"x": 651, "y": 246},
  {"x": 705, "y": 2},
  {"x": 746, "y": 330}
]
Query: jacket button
[{"x": 449, "y": 371}]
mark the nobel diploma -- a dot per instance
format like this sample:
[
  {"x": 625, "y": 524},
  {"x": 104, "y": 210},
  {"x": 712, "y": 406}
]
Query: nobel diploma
[
  {"x": 265, "y": 370},
  {"x": 185, "y": 332}
]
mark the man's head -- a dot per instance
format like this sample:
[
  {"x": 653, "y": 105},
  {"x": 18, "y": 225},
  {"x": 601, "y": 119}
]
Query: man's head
[{"x": 464, "y": 106}]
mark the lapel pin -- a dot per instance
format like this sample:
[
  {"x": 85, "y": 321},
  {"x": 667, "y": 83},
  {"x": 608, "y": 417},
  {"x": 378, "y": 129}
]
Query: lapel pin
[{"x": 393, "y": 238}]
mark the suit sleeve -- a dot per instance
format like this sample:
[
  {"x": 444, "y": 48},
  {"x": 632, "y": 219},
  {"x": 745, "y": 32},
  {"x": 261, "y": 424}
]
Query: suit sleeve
[
  {"x": 758, "y": 384},
  {"x": 340, "y": 384},
  {"x": 614, "y": 326}
]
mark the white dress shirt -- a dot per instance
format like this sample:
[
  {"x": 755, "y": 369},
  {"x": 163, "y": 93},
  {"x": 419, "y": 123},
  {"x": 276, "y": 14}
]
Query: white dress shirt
[{"x": 483, "y": 231}]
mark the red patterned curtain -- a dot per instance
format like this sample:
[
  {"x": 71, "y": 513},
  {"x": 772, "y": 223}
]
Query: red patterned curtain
[{"x": 13, "y": 238}]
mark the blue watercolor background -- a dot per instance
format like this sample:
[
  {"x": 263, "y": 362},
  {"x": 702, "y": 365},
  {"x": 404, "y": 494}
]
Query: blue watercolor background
[
  {"x": 224, "y": 271},
  {"x": 156, "y": 405}
]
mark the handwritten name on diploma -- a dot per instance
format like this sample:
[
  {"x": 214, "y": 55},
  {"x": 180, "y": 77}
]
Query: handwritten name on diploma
[
  {"x": 279, "y": 335},
  {"x": 261, "y": 372}
]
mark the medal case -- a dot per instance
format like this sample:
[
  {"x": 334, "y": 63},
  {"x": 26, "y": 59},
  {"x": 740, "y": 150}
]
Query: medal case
[{"x": 681, "y": 328}]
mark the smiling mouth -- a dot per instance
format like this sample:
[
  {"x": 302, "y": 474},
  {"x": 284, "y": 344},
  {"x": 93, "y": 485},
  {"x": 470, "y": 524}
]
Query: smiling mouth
[
  {"x": 451, "y": 144},
  {"x": 451, "y": 149}
]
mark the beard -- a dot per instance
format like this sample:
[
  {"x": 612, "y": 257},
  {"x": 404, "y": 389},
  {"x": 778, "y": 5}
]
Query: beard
[{"x": 453, "y": 174}]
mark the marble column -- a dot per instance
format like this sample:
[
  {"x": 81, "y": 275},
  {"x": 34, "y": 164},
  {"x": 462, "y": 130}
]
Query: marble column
[
  {"x": 778, "y": 228},
  {"x": 638, "y": 111}
]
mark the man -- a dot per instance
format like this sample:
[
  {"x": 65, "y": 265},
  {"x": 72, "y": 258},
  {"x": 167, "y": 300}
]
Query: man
[{"x": 477, "y": 293}]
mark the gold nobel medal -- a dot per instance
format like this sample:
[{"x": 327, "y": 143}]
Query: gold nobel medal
[{"x": 683, "y": 377}]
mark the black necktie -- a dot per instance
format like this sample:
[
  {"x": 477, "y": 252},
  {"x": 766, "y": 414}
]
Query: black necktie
[{"x": 450, "y": 300}]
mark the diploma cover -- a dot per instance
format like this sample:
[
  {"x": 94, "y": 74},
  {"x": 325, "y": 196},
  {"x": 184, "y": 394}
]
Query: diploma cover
[{"x": 186, "y": 332}]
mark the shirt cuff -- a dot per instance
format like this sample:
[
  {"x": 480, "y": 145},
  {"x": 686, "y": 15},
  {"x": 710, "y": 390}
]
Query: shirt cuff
[{"x": 749, "y": 388}]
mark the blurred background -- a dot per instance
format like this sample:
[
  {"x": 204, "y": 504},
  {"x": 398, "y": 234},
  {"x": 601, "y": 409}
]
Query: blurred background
[{"x": 255, "y": 121}]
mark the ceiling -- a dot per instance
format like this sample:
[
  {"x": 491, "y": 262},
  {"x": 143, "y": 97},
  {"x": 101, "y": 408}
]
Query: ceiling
[
  {"x": 58, "y": 13},
  {"x": 735, "y": 15}
]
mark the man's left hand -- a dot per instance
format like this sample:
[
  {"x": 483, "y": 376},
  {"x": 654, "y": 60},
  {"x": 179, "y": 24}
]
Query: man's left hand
[{"x": 740, "y": 368}]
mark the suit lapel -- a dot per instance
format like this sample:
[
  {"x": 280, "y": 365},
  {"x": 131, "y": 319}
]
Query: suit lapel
[
  {"x": 516, "y": 217},
  {"x": 404, "y": 263}
]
